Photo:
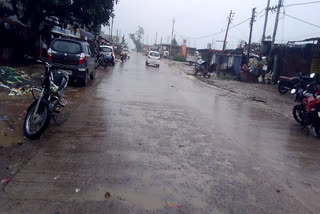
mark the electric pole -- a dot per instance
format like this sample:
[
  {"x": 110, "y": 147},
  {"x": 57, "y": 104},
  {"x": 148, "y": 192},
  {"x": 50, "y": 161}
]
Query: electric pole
[
  {"x": 173, "y": 22},
  {"x": 250, "y": 35},
  {"x": 112, "y": 16},
  {"x": 265, "y": 21},
  {"x": 276, "y": 23},
  {"x": 156, "y": 38},
  {"x": 225, "y": 38}
]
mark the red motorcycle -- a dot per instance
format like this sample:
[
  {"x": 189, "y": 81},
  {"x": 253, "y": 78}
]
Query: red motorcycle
[{"x": 307, "y": 112}]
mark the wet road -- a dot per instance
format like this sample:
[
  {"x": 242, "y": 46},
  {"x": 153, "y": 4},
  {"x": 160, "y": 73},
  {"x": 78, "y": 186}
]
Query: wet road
[{"x": 162, "y": 142}]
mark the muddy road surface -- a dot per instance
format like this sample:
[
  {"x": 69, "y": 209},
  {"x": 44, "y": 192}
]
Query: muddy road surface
[{"x": 153, "y": 140}]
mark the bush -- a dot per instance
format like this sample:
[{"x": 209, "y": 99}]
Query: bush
[{"x": 179, "y": 58}]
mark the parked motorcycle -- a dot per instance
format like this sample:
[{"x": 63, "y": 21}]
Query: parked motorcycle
[
  {"x": 199, "y": 66},
  {"x": 101, "y": 61},
  {"x": 287, "y": 83},
  {"x": 307, "y": 111},
  {"x": 41, "y": 110}
]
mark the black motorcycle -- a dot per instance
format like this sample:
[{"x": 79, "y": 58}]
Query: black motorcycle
[
  {"x": 101, "y": 61},
  {"x": 123, "y": 57},
  {"x": 41, "y": 110},
  {"x": 200, "y": 66},
  {"x": 287, "y": 83}
]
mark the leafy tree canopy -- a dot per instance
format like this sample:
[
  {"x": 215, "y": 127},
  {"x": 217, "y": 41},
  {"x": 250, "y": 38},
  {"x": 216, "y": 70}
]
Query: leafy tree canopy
[{"x": 38, "y": 14}]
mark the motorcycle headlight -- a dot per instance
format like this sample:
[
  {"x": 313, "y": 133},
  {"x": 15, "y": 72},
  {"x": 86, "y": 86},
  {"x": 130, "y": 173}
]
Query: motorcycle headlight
[{"x": 53, "y": 87}]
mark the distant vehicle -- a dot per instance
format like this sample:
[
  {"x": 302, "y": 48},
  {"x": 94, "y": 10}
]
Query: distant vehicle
[
  {"x": 127, "y": 51},
  {"x": 73, "y": 57},
  {"x": 108, "y": 52},
  {"x": 153, "y": 58},
  {"x": 165, "y": 54}
]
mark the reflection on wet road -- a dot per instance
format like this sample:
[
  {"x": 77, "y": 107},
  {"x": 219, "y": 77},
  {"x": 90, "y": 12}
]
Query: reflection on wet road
[{"x": 164, "y": 142}]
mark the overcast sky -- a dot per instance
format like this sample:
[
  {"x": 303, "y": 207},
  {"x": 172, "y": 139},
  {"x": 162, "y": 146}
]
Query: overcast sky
[{"x": 198, "y": 18}]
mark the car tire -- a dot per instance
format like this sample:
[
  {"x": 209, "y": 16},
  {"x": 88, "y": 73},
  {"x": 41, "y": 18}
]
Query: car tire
[
  {"x": 147, "y": 64},
  {"x": 112, "y": 63}
]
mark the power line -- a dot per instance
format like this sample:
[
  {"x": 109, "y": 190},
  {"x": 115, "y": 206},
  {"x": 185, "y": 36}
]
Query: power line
[
  {"x": 302, "y": 20},
  {"x": 303, "y": 3},
  {"x": 222, "y": 31}
]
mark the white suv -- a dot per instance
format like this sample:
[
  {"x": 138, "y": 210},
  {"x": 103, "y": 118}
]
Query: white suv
[{"x": 153, "y": 58}]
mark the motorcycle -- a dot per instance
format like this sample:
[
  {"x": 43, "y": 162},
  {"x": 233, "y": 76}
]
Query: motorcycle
[
  {"x": 43, "y": 108},
  {"x": 307, "y": 111},
  {"x": 200, "y": 66},
  {"x": 123, "y": 57},
  {"x": 287, "y": 83},
  {"x": 101, "y": 61}
]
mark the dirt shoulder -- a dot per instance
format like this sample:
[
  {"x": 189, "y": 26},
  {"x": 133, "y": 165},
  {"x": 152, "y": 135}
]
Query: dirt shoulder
[
  {"x": 264, "y": 95},
  {"x": 15, "y": 149}
]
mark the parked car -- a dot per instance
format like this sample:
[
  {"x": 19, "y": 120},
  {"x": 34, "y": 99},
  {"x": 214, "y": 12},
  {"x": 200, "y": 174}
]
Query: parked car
[
  {"x": 153, "y": 58},
  {"x": 108, "y": 52},
  {"x": 73, "y": 57}
]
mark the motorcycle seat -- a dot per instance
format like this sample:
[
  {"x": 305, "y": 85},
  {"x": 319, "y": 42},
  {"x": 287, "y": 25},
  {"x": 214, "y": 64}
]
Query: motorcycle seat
[{"x": 286, "y": 78}]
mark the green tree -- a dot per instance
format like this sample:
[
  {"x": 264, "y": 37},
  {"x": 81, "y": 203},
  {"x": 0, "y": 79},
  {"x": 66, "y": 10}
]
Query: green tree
[
  {"x": 140, "y": 33},
  {"x": 123, "y": 41},
  {"x": 136, "y": 38},
  {"x": 42, "y": 14},
  {"x": 174, "y": 42},
  {"x": 136, "y": 42}
]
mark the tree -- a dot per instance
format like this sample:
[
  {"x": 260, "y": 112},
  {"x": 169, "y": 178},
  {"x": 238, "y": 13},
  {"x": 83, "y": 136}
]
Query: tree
[
  {"x": 136, "y": 38},
  {"x": 174, "y": 42},
  {"x": 42, "y": 14},
  {"x": 140, "y": 33},
  {"x": 136, "y": 42},
  {"x": 123, "y": 41}
]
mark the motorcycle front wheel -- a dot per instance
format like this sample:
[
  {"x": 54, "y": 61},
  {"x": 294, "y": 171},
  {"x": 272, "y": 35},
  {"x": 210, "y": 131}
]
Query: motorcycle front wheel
[
  {"x": 282, "y": 88},
  {"x": 299, "y": 114},
  {"x": 36, "y": 124}
]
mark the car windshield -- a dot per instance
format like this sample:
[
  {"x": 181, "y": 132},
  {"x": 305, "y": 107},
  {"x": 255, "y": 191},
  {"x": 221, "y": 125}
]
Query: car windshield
[
  {"x": 155, "y": 54},
  {"x": 105, "y": 49},
  {"x": 66, "y": 47}
]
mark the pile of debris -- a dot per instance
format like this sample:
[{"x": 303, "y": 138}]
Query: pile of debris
[{"x": 16, "y": 81}]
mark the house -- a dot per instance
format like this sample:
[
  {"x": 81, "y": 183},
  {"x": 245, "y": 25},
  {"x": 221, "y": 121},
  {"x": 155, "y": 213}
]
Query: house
[
  {"x": 175, "y": 49},
  {"x": 229, "y": 60},
  {"x": 294, "y": 57}
]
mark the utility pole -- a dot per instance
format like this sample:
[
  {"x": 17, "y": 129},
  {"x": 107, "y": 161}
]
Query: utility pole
[
  {"x": 251, "y": 26},
  {"x": 156, "y": 38},
  {"x": 112, "y": 16},
  {"x": 225, "y": 38},
  {"x": 265, "y": 21},
  {"x": 173, "y": 22},
  {"x": 276, "y": 23},
  {"x": 117, "y": 35}
]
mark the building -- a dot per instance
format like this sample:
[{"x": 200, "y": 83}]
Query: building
[{"x": 174, "y": 49}]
